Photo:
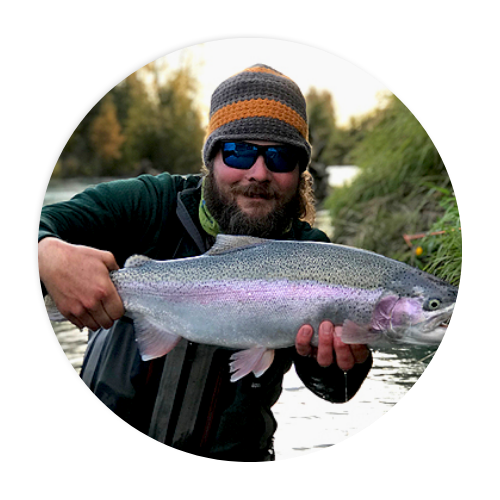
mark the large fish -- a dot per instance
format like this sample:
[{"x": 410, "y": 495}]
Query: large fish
[{"x": 253, "y": 294}]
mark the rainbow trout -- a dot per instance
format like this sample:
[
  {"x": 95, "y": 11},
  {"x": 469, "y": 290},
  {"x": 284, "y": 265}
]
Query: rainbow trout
[{"x": 254, "y": 294}]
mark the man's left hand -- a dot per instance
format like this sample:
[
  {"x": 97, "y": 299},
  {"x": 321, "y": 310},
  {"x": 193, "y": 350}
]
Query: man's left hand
[{"x": 330, "y": 347}]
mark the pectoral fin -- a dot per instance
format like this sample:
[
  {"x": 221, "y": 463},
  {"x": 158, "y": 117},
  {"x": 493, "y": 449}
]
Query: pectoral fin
[
  {"x": 256, "y": 360},
  {"x": 352, "y": 333}
]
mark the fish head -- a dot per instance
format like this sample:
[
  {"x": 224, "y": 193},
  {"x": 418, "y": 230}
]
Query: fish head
[
  {"x": 417, "y": 321},
  {"x": 421, "y": 309}
]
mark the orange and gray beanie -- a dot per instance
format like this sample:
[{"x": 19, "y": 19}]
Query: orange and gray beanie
[{"x": 259, "y": 103}]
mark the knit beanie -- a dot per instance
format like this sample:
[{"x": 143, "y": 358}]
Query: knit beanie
[{"x": 259, "y": 103}]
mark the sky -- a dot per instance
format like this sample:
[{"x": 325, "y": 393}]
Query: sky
[{"x": 354, "y": 90}]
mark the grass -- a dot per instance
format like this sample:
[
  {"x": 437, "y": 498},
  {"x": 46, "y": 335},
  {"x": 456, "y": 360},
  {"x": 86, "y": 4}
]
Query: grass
[{"x": 400, "y": 190}]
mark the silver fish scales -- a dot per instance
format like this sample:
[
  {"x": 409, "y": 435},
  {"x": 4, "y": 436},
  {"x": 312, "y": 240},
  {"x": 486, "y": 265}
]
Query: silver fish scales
[{"x": 254, "y": 294}]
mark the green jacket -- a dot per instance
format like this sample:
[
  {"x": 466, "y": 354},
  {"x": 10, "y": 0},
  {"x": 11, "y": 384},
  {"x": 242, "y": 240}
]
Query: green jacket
[{"x": 198, "y": 410}]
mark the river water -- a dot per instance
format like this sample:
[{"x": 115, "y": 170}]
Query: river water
[{"x": 306, "y": 423}]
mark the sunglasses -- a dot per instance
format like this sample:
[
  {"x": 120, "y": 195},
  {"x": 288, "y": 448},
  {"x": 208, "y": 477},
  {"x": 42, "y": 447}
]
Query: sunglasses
[{"x": 278, "y": 159}]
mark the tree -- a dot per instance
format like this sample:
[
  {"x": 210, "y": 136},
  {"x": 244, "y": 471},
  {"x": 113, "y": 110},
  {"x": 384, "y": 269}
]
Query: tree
[
  {"x": 141, "y": 124},
  {"x": 181, "y": 131},
  {"x": 106, "y": 135},
  {"x": 322, "y": 129},
  {"x": 148, "y": 123},
  {"x": 163, "y": 125}
]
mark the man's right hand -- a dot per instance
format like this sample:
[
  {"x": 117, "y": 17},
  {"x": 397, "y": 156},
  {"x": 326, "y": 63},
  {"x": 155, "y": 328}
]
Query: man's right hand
[{"x": 77, "y": 278}]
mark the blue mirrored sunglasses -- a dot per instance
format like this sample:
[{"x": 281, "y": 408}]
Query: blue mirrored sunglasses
[{"x": 243, "y": 155}]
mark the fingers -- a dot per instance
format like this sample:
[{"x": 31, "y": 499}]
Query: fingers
[
  {"x": 343, "y": 353},
  {"x": 109, "y": 260},
  {"x": 330, "y": 348},
  {"x": 97, "y": 317},
  {"x": 360, "y": 352},
  {"x": 348, "y": 354},
  {"x": 77, "y": 278},
  {"x": 325, "y": 356},
  {"x": 113, "y": 305},
  {"x": 83, "y": 320},
  {"x": 75, "y": 321},
  {"x": 323, "y": 353},
  {"x": 110, "y": 308},
  {"x": 303, "y": 340},
  {"x": 93, "y": 317},
  {"x": 95, "y": 307}
]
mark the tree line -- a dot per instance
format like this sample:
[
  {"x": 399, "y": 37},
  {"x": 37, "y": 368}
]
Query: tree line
[
  {"x": 147, "y": 123},
  {"x": 150, "y": 122}
]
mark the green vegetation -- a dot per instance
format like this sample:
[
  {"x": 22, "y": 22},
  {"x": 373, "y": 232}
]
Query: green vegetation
[
  {"x": 403, "y": 188},
  {"x": 442, "y": 253}
]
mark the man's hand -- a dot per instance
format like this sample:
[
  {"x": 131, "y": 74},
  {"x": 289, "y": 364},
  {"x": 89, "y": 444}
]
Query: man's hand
[
  {"x": 330, "y": 347},
  {"x": 77, "y": 278}
]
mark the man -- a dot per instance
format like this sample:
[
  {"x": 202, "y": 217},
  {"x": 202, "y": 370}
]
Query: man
[{"x": 255, "y": 182}]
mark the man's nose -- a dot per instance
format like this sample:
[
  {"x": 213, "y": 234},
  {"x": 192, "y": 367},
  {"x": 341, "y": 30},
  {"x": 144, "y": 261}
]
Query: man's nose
[{"x": 259, "y": 170}]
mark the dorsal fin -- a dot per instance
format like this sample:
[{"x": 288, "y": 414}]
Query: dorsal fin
[
  {"x": 137, "y": 261},
  {"x": 226, "y": 242}
]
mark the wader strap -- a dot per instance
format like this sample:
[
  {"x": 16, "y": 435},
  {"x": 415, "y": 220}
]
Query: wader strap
[
  {"x": 183, "y": 408},
  {"x": 187, "y": 392},
  {"x": 186, "y": 220}
]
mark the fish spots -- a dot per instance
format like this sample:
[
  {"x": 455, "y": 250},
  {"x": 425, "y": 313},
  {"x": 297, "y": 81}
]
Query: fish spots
[{"x": 235, "y": 297}]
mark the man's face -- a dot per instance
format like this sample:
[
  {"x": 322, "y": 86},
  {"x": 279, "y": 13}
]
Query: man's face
[{"x": 254, "y": 201}]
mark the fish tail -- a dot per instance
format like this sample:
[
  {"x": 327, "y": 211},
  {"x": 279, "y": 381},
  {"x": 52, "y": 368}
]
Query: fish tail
[{"x": 52, "y": 311}]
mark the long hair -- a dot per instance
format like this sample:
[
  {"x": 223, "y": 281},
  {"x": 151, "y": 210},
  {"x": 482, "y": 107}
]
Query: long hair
[{"x": 306, "y": 198}]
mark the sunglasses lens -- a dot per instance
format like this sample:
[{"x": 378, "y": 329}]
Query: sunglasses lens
[
  {"x": 239, "y": 155},
  {"x": 242, "y": 155},
  {"x": 281, "y": 159}
]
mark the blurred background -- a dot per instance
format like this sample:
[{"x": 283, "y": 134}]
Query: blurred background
[{"x": 380, "y": 183}]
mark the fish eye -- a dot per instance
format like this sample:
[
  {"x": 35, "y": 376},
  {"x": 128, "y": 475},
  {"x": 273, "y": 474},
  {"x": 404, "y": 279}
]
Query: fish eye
[{"x": 433, "y": 304}]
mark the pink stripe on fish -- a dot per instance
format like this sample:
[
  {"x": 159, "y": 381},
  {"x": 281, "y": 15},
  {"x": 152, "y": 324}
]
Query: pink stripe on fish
[{"x": 257, "y": 290}]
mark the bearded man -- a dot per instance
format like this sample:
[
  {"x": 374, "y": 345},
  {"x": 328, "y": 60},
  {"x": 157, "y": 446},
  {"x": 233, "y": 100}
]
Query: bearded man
[{"x": 254, "y": 182}]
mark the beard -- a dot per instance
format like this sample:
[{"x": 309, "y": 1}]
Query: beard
[{"x": 232, "y": 220}]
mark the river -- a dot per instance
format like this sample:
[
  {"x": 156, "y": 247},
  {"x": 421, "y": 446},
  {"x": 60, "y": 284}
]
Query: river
[{"x": 306, "y": 423}]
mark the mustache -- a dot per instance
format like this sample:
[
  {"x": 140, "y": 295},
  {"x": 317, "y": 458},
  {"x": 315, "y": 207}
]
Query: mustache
[{"x": 255, "y": 190}]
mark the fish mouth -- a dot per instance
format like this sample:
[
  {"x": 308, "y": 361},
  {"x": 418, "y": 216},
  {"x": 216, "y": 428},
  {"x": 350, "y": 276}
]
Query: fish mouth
[
  {"x": 441, "y": 323},
  {"x": 445, "y": 323},
  {"x": 442, "y": 318},
  {"x": 432, "y": 329}
]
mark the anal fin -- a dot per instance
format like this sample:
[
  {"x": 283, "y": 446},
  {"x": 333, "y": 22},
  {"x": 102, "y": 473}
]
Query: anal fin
[{"x": 153, "y": 341}]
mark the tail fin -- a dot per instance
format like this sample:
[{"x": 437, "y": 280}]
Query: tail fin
[{"x": 52, "y": 311}]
